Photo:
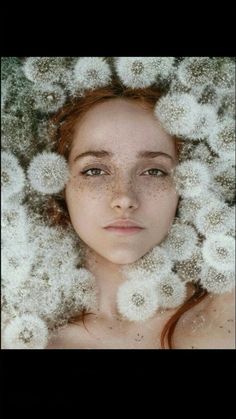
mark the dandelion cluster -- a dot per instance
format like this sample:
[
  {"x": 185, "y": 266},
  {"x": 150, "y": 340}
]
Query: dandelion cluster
[{"x": 12, "y": 175}]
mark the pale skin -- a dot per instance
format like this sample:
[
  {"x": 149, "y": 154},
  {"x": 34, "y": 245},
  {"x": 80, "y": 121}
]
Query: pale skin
[{"x": 124, "y": 184}]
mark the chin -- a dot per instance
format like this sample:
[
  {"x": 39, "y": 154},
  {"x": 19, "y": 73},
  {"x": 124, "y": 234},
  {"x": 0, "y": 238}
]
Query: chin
[{"x": 123, "y": 258}]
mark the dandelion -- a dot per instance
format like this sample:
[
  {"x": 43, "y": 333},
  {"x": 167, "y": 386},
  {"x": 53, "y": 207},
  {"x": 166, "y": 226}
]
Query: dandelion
[
  {"x": 222, "y": 140},
  {"x": 217, "y": 282},
  {"x": 203, "y": 153},
  {"x": 224, "y": 78},
  {"x": 12, "y": 175},
  {"x": 178, "y": 113},
  {"x": 17, "y": 259},
  {"x": 191, "y": 178},
  {"x": 164, "y": 67},
  {"x": 224, "y": 176},
  {"x": 49, "y": 98},
  {"x": 26, "y": 332},
  {"x": 208, "y": 95},
  {"x": 171, "y": 291},
  {"x": 189, "y": 207},
  {"x": 156, "y": 261},
  {"x": 13, "y": 221},
  {"x": 206, "y": 122},
  {"x": 138, "y": 72},
  {"x": 42, "y": 70},
  {"x": 218, "y": 251},
  {"x": 137, "y": 300},
  {"x": 195, "y": 71},
  {"x": 181, "y": 242},
  {"x": 92, "y": 72},
  {"x": 190, "y": 270},
  {"x": 48, "y": 173},
  {"x": 227, "y": 105},
  {"x": 213, "y": 218}
]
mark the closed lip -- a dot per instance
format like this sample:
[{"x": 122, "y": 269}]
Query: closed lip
[{"x": 123, "y": 224}]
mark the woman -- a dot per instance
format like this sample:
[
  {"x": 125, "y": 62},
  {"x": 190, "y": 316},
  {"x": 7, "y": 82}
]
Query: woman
[
  {"x": 120, "y": 161},
  {"x": 154, "y": 266}
]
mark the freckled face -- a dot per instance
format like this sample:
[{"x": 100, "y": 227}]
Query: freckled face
[{"x": 105, "y": 188}]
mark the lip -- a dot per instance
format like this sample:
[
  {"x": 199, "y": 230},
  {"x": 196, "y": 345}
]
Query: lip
[{"x": 122, "y": 227}]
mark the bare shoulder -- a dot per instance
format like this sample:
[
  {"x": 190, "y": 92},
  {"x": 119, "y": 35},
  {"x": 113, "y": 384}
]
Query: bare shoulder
[{"x": 209, "y": 325}]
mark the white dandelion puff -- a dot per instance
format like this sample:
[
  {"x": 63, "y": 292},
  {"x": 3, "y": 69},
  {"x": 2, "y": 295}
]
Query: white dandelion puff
[
  {"x": 48, "y": 173},
  {"x": 137, "y": 300},
  {"x": 48, "y": 98},
  {"x": 227, "y": 104},
  {"x": 156, "y": 261},
  {"x": 217, "y": 282},
  {"x": 92, "y": 72},
  {"x": 218, "y": 251},
  {"x": 180, "y": 242},
  {"x": 171, "y": 291},
  {"x": 178, "y": 113},
  {"x": 42, "y": 70},
  {"x": 195, "y": 71},
  {"x": 206, "y": 122},
  {"x": 17, "y": 135},
  {"x": 26, "y": 332},
  {"x": 190, "y": 270},
  {"x": 191, "y": 178},
  {"x": 224, "y": 176},
  {"x": 14, "y": 221},
  {"x": 213, "y": 218},
  {"x": 224, "y": 78},
  {"x": 203, "y": 153},
  {"x": 222, "y": 140},
  {"x": 208, "y": 95},
  {"x": 137, "y": 72},
  {"x": 12, "y": 175},
  {"x": 17, "y": 259},
  {"x": 164, "y": 67}
]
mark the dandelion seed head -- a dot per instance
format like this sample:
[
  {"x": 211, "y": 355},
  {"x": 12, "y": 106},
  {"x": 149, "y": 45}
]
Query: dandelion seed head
[
  {"x": 137, "y": 300},
  {"x": 49, "y": 98},
  {"x": 42, "y": 70},
  {"x": 224, "y": 176},
  {"x": 205, "y": 123},
  {"x": 217, "y": 282},
  {"x": 137, "y": 72},
  {"x": 191, "y": 177},
  {"x": 218, "y": 251},
  {"x": 171, "y": 291},
  {"x": 26, "y": 332},
  {"x": 178, "y": 113},
  {"x": 224, "y": 78},
  {"x": 190, "y": 270},
  {"x": 222, "y": 140},
  {"x": 181, "y": 241},
  {"x": 194, "y": 71},
  {"x": 213, "y": 218},
  {"x": 48, "y": 173},
  {"x": 92, "y": 72}
]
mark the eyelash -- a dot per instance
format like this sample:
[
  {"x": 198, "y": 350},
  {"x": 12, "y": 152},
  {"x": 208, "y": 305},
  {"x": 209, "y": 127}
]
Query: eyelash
[{"x": 84, "y": 173}]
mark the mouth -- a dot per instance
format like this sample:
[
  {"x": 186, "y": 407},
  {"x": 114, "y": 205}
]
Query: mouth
[{"x": 124, "y": 230}]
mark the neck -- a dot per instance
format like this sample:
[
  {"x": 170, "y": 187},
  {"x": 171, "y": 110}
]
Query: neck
[{"x": 108, "y": 277}]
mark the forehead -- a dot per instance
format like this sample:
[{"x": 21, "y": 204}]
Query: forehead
[{"x": 121, "y": 126}]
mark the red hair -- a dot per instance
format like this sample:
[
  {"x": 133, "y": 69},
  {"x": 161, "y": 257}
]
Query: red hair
[{"x": 63, "y": 125}]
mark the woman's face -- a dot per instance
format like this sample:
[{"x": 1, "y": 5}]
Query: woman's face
[{"x": 122, "y": 180}]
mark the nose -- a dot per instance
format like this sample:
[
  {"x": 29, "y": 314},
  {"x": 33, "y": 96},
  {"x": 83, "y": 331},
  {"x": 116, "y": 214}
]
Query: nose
[{"x": 124, "y": 197}]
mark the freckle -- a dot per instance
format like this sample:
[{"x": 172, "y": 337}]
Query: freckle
[
  {"x": 221, "y": 327},
  {"x": 229, "y": 331}
]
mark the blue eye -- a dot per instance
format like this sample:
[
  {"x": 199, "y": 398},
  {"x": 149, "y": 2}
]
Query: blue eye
[{"x": 92, "y": 170}]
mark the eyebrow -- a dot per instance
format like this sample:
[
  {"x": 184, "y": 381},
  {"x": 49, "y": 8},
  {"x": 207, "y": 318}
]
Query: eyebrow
[{"x": 104, "y": 153}]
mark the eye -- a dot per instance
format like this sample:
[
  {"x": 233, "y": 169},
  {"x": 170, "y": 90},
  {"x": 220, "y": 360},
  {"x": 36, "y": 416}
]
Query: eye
[
  {"x": 155, "y": 172},
  {"x": 94, "y": 172}
]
